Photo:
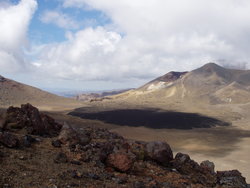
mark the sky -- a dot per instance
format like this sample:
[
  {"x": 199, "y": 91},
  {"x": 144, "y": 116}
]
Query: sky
[{"x": 114, "y": 44}]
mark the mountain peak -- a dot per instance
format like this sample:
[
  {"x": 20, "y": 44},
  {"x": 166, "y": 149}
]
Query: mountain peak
[
  {"x": 210, "y": 68},
  {"x": 211, "y": 64}
]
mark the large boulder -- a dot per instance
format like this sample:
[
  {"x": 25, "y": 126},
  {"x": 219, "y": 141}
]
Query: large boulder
[
  {"x": 208, "y": 166},
  {"x": 8, "y": 140},
  {"x": 184, "y": 164},
  {"x": 29, "y": 118},
  {"x": 159, "y": 152},
  {"x": 231, "y": 179},
  {"x": 70, "y": 136},
  {"x": 120, "y": 161}
]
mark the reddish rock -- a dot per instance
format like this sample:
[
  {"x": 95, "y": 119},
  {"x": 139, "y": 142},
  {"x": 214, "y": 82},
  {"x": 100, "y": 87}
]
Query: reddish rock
[
  {"x": 8, "y": 139},
  {"x": 120, "y": 161},
  {"x": 231, "y": 179},
  {"x": 32, "y": 120},
  {"x": 159, "y": 152}
]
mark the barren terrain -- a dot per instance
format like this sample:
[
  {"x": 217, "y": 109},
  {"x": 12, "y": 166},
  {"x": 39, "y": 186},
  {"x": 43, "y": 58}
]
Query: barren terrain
[{"x": 203, "y": 113}]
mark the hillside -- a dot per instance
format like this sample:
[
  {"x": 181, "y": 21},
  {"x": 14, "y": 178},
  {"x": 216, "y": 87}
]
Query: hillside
[{"x": 15, "y": 93}]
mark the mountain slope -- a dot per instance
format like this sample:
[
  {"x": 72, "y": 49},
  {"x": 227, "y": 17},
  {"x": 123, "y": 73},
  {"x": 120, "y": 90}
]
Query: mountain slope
[
  {"x": 15, "y": 93},
  {"x": 209, "y": 84}
]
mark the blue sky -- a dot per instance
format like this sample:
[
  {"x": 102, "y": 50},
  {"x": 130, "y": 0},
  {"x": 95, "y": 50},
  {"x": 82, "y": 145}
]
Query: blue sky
[
  {"x": 108, "y": 44},
  {"x": 40, "y": 32}
]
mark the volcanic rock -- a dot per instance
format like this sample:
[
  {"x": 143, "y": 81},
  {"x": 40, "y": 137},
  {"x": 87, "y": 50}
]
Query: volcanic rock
[
  {"x": 8, "y": 139},
  {"x": 159, "y": 152},
  {"x": 120, "y": 161},
  {"x": 231, "y": 179},
  {"x": 207, "y": 165},
  {"x": 32, "y": 120},
  {"x": 70, "y": 136},
  {"x": 184, "y": 164},
  {"x": 203, "y": 174}
]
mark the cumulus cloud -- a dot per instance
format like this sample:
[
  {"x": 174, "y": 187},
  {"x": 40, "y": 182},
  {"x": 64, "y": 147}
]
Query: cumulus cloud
[
  {"x": 83, "y": 56},
  {"x": 157, "y": 36},
  {"x": 58, "y": 18},
  {"x": 14, "y": 21}
]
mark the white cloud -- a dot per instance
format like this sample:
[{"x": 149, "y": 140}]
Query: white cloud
[
  {"x": 188, "y": 32},
  {"x": 58, "y": 18},
  {"x": 158, "y": 36},
  {"x": 14, "y": 21},
  {"x": 84, "y": 56}
]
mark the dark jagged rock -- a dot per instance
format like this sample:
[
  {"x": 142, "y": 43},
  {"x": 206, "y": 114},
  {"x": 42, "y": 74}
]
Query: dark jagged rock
[
  {"x": 207, "y": 165},
  {"x": 203, "y": 174},
  {"x": 70, "y": 136},
  {"x": 32, "y": 120},
  {"x": 9, "y": 140},
  {"x": 231, "y": 179},
  {"x": 159, "y": 152}
]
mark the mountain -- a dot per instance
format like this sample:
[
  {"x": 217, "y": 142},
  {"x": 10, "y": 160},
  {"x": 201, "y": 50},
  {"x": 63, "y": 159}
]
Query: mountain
[
  {"x": 209, "y": 84},
  {"x": 15, "y": 93},
  {"x": 98, "y": 96},
  {"x": 201, "y": 100}
]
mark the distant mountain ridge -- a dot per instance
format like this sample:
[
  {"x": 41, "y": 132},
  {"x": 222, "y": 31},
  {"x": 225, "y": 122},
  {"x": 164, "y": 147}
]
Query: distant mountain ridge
[
  {"x": 98, "y": 96},
  {"x": 15, "y": 93}
]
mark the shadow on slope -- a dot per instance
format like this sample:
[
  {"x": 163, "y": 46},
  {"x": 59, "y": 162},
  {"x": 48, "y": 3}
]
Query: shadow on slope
[{"x": 151, "y": 118}]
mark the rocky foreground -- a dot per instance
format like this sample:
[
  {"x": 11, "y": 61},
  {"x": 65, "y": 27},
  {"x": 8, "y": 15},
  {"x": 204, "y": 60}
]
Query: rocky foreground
[{"x": 36, "y": 151}]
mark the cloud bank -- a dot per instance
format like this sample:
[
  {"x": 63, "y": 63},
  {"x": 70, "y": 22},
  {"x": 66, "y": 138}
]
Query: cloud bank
[
  {"x": 143, "y": 39},
  {"x": 14, "y": 22},
  {"x": 157, "y": 36}
]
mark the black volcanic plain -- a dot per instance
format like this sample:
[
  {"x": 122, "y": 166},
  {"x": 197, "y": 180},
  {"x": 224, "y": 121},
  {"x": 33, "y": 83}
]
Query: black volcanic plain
[{"x": 151, "y": 118}]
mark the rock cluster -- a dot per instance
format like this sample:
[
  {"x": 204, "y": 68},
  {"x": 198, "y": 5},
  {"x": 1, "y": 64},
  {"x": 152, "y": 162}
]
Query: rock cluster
[
  {"x": 29, "y": 118},
  {"x": 114, "y": 153},
  {"x": 111, "y": 160}
]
